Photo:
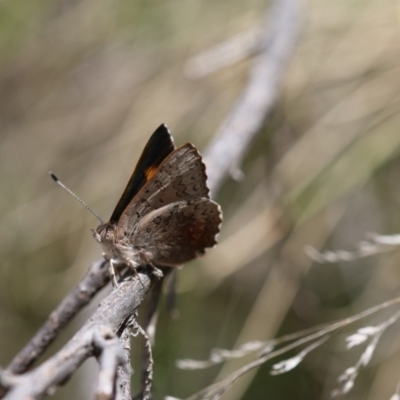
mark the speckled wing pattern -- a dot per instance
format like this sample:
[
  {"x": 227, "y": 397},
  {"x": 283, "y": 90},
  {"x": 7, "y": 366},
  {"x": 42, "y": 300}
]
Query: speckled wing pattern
[
  {"x": 178, "y": 232},
  {"x": 181, "y": 175},
  {"x": 172, "y": 218}
]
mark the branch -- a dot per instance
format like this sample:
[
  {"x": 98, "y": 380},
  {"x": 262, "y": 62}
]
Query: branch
[
  {"x": 96, "y": 337},
  {"x": 111, "y": 357},
  {"x": 236, "y": 133},
  {"x": 148, "y": 363},
  {"x": 123, "y": 390},
  {"x": 232, "y": 50},
  {"x": 96, "y": 278}
]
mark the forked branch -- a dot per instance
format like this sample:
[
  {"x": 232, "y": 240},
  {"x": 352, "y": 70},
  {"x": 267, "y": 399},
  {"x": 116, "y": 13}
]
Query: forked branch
[{"x": 98, "y": 337}]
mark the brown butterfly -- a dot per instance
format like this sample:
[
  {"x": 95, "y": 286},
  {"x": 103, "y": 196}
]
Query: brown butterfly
[{"x": 165, "y": 216}]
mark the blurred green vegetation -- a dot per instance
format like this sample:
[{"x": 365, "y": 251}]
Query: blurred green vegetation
[{"x": 82, "y": 86}]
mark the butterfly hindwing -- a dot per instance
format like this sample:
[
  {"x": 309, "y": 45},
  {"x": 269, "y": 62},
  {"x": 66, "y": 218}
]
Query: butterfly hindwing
[
  {"x": 194, "y": 223},
  {"x": 158, "y": 147}
]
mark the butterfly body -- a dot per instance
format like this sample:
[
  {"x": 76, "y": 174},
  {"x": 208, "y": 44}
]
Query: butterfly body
[{"x": 165, "y": 216}]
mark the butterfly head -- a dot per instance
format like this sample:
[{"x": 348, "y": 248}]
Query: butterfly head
[{"x": 105, "y": 235}]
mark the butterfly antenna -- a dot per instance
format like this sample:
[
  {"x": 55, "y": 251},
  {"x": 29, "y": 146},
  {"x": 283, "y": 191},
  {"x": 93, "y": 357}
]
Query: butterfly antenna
[{"x": 55, "y": 179}]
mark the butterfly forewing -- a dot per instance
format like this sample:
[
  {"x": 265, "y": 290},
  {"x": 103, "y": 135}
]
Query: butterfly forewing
[
  {"x": 159, "y": 146},
  {"x": 194, "y": 223},
  {"x": 180, "y": 176}
]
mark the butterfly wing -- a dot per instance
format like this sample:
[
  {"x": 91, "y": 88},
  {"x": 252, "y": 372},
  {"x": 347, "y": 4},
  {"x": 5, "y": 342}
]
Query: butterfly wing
[
  {"x": 180, "y": 176},
  {"x": 178, "y": 232},
  {"x": 159, "y": 146}
]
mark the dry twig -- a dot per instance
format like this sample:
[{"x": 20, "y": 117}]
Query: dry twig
[
  {"x": 232, "y": 50},
  {"x": 267, "y": 351},
  {"x": 236, "y": 133},
  {"x": 97, "y": 337},
  {"x": 96, "y": 278}
]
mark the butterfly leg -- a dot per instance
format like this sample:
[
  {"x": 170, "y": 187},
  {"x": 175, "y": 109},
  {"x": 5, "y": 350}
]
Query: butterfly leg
[
  {"x": 134, "y": 267},
  {"x": 156, "y": 271},
  {"x": 111, "y": 269}
]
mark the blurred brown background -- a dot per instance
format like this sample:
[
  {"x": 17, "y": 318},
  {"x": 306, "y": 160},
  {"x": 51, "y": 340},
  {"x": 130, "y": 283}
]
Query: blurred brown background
[{"x": 82, "y": 86}]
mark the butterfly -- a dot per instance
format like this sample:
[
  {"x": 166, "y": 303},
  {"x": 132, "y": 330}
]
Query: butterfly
[{"x": 165, "y": 216}]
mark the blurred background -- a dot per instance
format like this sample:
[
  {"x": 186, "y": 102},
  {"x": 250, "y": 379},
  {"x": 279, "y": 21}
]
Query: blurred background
[{"x": 84, "y": 83}]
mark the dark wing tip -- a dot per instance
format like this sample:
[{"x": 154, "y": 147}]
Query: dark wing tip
[
  {"x": 163, "y": 127},
  {"x": 164, "y": 136}
]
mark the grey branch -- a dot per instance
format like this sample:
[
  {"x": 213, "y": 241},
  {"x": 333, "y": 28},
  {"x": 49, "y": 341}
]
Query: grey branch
[
  {"x": 236, "y": 133},
  {"x": 123, "y": 389},
  {"x": 96, "y": 278},
  {"x": 97, "y": 336},
  {"x": 111, "y": 357},
  {"x": 233, "y": 50},
  {"x": 148, "y": 364}
]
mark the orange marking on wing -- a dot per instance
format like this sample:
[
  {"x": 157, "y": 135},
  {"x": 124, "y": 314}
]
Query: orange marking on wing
[{"x": 149, "y": 172}]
